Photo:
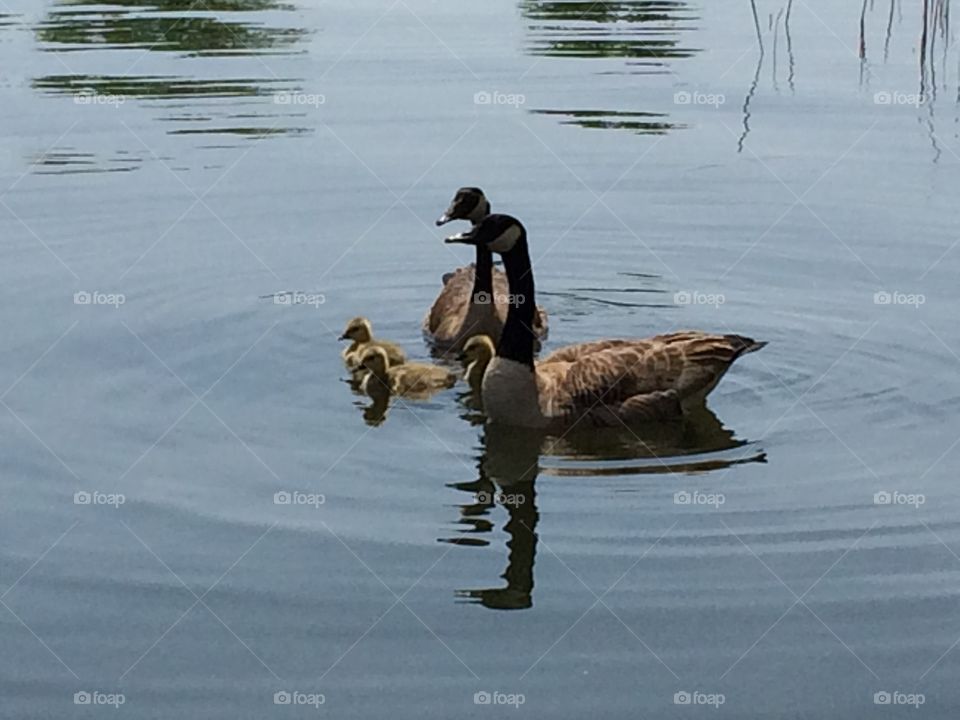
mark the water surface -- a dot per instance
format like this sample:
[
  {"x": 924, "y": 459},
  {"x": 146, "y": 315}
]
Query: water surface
[{"x": 784, "y": 170}]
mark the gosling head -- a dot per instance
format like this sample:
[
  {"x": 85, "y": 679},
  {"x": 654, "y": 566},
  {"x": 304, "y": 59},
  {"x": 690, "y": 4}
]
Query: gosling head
[
  {"x": 375, "y": 360},
  {"x": 479, "y": 349},
  {"x": 359, "y": 330},
  {"x": 468, "y": 204},
  {"x": 497, "y": 233}
]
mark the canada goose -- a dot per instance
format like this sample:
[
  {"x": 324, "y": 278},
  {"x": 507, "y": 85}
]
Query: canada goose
[
  {"x": 360, "y": 332},
  {"x": 409, "y": 379},
  {"x": 475, "y": 298},
  {"x": 605, "y": 382},
  {"x": 477, "y": 354}
]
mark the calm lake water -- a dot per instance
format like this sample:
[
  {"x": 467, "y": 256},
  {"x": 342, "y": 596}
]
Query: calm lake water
[{"x": 168, "y": 167}]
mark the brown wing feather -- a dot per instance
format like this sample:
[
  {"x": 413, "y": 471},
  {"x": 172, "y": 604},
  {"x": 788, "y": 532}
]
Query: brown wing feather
[
  {"x": 452, "y": 301},
  {"x": 570, "y": 353},
  {"x": 613, "y": 372}
]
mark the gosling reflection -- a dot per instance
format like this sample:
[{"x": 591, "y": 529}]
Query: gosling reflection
[{"x": 512, "y": 459}]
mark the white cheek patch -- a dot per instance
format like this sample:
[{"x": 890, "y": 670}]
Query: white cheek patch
[{"x": 506, "y": 240}]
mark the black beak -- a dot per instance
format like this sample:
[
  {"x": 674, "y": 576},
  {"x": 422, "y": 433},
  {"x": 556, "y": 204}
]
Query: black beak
[
  {"x": 343, "y": 337},
  {"x": 444, "y": 219}
]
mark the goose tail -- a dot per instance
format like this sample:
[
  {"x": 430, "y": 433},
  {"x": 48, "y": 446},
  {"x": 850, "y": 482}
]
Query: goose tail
[{"x": 744, "y": 345}]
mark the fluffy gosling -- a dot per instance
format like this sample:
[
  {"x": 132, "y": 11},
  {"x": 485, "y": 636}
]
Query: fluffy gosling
[
  {"x": 476, "y": 355},
  {"x": 360, "y": 332},
  {"x": 409, "y": 379}
]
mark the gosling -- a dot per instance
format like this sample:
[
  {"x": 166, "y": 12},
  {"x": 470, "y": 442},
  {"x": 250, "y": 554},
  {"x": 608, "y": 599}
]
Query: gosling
[
  {"x": 416, "y": 380},
  {"x": 360, "y": 332},
  {"x": 476, "y": 355}
]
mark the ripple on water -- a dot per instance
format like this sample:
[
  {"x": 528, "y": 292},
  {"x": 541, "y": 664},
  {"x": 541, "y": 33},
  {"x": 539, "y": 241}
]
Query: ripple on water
[
  {"x": 642, "y": 123},
  {"x": 70, "y": 161}
]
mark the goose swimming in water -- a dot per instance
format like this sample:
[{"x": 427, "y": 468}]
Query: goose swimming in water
[
  {"x": 603, "y": 383},
  {"x": 475, "y": 298}
]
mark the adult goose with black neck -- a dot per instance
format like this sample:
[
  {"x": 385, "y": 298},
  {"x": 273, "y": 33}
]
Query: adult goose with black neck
[
  {"x": 475, "y": 298},
  {"x": 601, "y": 383}
]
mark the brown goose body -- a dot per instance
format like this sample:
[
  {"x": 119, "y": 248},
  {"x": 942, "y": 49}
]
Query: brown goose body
[
  {"x": 600, "y": 383},
  {"x": 460, "y": 313},
  {"x": 656, "y": 375}
]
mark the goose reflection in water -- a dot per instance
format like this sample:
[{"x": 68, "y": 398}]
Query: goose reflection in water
[{"x": 511, "y": 461}]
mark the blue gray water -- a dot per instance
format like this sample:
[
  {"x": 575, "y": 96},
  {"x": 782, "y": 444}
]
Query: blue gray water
[{"x": 173, "y": 173}]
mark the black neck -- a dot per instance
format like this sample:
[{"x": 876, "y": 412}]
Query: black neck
[
  {"x": 483, "y": 275},
  {"x": 517, "y": 339}
]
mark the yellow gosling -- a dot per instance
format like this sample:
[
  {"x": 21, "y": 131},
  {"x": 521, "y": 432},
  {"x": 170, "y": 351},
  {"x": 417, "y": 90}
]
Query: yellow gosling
[
  {"x": 477, "y": 354},
  {"x": 360, "y": 332},
  {"x": 409, "y": 380}
]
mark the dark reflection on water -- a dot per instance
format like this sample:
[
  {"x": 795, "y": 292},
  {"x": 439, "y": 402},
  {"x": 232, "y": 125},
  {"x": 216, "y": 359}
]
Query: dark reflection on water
[
  {"x": 644, "y": 123},
  {"x": 646, "y": 34},
  {"x": 164, "y": 26},
  {"x": 69, "y": 161},
  {"x": 644, "y": 29},
  {"x": 512, "y": 459},
  {"x": 241, "y": 108},
  {"x": 156, "y": 88}
]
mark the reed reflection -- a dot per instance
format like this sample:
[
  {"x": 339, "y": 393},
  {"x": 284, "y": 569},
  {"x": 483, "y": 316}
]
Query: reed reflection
[
  {"x": 512, "y": 460},
  {"x": 179, "y": 26},
  {"x": 193, "y": 101},
  {"x": 646, "y": 35},
  {"x": 647, "y": 32}
]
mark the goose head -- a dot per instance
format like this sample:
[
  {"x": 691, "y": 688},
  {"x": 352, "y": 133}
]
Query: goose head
[
  {"x": 359, "y": 330},
  {"x": 468, "y": 204},
  {"x": 497, "y": 233},
  {"x": 375, "y": 360}
]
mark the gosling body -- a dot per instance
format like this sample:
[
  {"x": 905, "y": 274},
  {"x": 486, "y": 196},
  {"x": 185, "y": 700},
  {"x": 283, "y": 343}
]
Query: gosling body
[{"x": 416, "y": 380}]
